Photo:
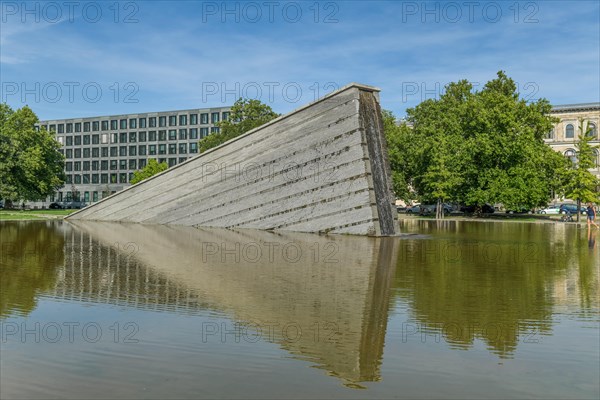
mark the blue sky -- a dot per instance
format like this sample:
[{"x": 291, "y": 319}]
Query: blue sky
[{"x": 137, "y": 56}]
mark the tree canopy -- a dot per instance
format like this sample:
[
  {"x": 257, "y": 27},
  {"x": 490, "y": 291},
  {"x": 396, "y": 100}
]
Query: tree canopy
[
  {"x": 31, "y": 167},
  {"x": 476, "y": 147},
  {"x": 246, "y": 114},
  {"x": 152, "y": 168},
  {"x": 398, "y": 154}
]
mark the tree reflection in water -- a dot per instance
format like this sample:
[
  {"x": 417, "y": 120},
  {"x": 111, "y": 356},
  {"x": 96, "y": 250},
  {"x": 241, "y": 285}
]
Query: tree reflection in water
[
  {"x": 30, "y": 255},
  {"x": 500, "y": 282}
]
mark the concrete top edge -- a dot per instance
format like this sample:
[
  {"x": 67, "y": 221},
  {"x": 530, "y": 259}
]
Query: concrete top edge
[
  {"x": 207, "y": 109},
  {"x": 360, "y": 86},
  {"x": 349, "y": 86}
]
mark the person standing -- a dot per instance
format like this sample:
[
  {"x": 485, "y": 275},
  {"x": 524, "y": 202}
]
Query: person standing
[{"x": 591, "y": 216}]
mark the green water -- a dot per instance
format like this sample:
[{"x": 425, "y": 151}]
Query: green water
[{"x": 455, "y": 310}]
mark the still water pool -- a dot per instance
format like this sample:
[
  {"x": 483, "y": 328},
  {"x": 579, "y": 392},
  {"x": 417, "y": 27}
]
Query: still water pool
[{"x": 455, "y": 310}]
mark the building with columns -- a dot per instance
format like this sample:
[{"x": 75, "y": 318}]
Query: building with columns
[{"x": 563, "y": 138}]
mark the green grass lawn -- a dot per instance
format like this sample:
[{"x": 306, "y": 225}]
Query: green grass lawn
[
  {"x": 20, "y": 215},
  {"x": 500, "y": 217},
  {"x": 5, "y": 216},
  {"x": 50, "y": 212}
]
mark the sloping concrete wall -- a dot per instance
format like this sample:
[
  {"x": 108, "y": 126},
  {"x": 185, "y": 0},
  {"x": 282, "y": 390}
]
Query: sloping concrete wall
[{"x": 322, "y": 168}]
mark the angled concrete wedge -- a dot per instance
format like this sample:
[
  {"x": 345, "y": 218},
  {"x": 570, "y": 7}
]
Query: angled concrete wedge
[{"x": 322, "y": 168}]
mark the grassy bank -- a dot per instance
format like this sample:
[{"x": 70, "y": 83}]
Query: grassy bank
[
  {"x": 500, "y": 217},
  {"x": 25, "y": 215}
]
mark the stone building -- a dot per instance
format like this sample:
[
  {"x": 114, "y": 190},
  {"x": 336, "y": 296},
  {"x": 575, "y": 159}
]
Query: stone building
[{"x": 563, "y": 138}]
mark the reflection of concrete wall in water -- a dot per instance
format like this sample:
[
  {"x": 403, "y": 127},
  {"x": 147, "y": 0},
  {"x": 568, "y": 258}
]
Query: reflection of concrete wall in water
[
  {"x": 322, "y": 168},
  {"x": 340, "y": 283},
  {"x": 108, "y": 273}
]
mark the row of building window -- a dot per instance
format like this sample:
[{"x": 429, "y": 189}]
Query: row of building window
[
  {"x": 87, "y": 179},
  {"x": 571, "y": 154},
  {"x": 139, "y": 123},
  {"x": 133, "y": 137},
  {"x": 77, "y": 196},
  {"x": 570, "y": 131},
  {"x": 121, "y": 177},
  {"x": 135, "y": 150},
  {"x": 115, "y": 165}
]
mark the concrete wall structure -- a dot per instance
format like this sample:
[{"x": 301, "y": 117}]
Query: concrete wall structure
[{"x": 322, "y": 168}]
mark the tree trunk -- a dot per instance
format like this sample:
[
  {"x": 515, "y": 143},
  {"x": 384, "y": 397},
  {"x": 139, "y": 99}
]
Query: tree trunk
[
  {"x": 439, "y": 212},
  {"x": 578, "y": 208}
]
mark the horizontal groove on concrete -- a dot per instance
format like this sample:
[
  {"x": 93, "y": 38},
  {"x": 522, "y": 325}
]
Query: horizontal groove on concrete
[{"x": 320, "y": 169}]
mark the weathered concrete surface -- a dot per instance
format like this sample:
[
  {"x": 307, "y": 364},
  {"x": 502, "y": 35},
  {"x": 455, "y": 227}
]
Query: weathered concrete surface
[{"x": 322, "y": 168}]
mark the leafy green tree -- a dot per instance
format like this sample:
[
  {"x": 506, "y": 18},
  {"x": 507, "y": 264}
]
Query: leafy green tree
[
  {"x": 152, "y": 168},
  {"x": 480, "y": 147},
  {"x": 441, "y": 178},
  {"x": 397, "y": 142},
  {"x": 246, "y": 114},
  {"x": 581, "y": 184},
  {"x": 31, "y": 167},
  {"x": 75, "y": 193}
]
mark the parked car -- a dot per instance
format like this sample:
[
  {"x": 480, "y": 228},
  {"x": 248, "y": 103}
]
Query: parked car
[
  {"x": 519, "y": 210},
  {"x": 414, "y": 209},
  {"x": 427, "y": 209},
  {"x": 74, "y": 205},
  {"x": 400, "y": 209},
  {"x": 549, "y": 210},
  {"x": 485, "y": 209},
  {"x": 55, "y": 206},
  {"x": 571, "y": 208},
  {"x": 447, "y": 208}
]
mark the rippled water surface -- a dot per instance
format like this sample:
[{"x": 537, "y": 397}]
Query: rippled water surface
[{"x": 454, "y": 310}]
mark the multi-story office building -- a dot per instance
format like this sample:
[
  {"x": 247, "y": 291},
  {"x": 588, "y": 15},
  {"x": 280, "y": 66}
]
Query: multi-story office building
[{"x": 101, "y": 153}]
